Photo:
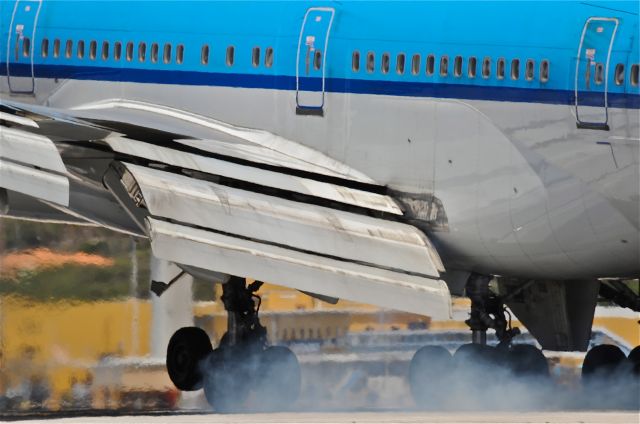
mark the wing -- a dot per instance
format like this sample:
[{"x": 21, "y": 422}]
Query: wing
[{"x": 215, "y": 198}]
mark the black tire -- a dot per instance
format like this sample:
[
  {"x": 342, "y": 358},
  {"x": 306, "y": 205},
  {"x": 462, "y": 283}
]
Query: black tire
[
  {"x": 280, "y": 379},
  {"x": 226, "y": 384},
  {"x": 428, "y": 371},
  {"x": 603, "y": 361},
  {"x": 475, "y": 362},
  {"x": 527, "y": 360},
  {"x": 187, "y": 348},
  {"x": 469, "y": 356},
  {"x": 634, "y": 360}
]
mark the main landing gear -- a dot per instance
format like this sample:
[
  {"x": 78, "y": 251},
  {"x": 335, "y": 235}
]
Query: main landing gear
[
  {"x": 436, "y": 377},
  {"x": 606, "y": 366},
  {"x": 243, "y": 372}
]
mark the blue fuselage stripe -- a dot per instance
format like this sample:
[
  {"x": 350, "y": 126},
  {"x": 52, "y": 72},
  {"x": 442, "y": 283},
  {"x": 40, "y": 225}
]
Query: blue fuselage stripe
[{"x": 333, "y": 85}]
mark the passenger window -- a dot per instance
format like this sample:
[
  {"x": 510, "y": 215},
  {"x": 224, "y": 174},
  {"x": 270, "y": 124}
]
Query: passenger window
[
  {"x": 230, "y": 55},
  {"x": 633, "y": 77},
  {"x": 619, "y": 74},
  {"x": 355, "y": 61},
  {"x": 180, "y": 54},
  {"x": 385, "y": 63},
  {"x": 529, "y": 70},
  {"x": 444, "y": 66},
  {"x": 400, "y": 61},
  {"x": 154, "y": 52},
  {"x": 56, "y": 48},
  {"x": 599, "y": 76},
  {"x": 415, "y": 64},
  {"x": 371, "y": 62},
  {"x": 142, "y": 52},
  {"x": 268, "y": 57},
  {"x": 255, "y": 57},
  {"x": 44, "y": 52},
  {"x": 544, "y": 71},
  {"x": 68, "y": 49},
  {"x": 515, "y": 69},
  {"x": 431, "y": 64},
  {"x": 486, "y": 67},
  {"x": 26, "y": 47},
  {"x": 457, "y": 66},
  {"x": 105, "y": 50},
  {"x": 117, "y": 50},
  {"x": 472, "y": 67},
  {"x": 93, "y": 47},
  {"x": 204, "y": 55},
  {"x": 317, "y": 60},
  {"x": 80, "y": 49},
  {"x": 129, "y": 51},
  {"x": 166, "y": 54},
  {"x": 500, "y": 68}
]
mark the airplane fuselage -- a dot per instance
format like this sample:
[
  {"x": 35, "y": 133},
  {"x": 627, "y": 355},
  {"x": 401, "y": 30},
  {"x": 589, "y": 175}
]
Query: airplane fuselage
[{"x": 508, "y": 131}]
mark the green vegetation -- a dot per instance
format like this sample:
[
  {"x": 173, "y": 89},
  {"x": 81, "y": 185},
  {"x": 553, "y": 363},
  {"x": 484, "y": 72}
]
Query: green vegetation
[{"x": 79, "y": 282}]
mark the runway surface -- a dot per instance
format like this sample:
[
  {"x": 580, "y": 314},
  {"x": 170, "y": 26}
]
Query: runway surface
[{"x": 611, "y": 417}]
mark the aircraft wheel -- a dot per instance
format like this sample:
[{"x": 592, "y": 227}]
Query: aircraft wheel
[
  {"x": 527, "y": 360},
  {"x": 429, "y": 367},
  {"x": 279, "y": 381},
  {"x": 226, "y": 382},
  {"x": 476, "y": 356},
  {"x": 187, "y": 348},
  {"x": 602, "y": 361},
  {"x": 634, "y": 359}
]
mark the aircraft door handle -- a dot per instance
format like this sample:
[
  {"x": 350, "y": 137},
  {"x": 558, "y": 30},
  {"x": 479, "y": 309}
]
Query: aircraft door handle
[
  {"x": 17, "y": 47},
  {"x": 587, "y": 75}
]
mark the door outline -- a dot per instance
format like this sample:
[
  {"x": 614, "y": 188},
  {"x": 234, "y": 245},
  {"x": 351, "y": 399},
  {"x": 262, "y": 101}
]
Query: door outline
[
  {"x": 14, "y": 31},
  {"x": 595, "y": 125},
  {"x": 313, "y": 109}
]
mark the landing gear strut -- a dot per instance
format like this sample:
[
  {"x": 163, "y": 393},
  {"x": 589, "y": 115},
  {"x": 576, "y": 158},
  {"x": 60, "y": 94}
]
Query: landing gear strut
[
  {"x": 243, "y": 372},
  {"x": 487, "y": 311}
]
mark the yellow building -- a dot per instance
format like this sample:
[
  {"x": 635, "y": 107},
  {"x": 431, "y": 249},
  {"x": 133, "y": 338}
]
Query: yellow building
[{"x": 62, "y": 343}]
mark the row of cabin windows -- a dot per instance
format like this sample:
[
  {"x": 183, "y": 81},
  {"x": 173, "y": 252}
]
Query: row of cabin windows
[
  {"x": 141, "y": 52},
  {"x": 486, "y": 69},
  {"x": 500, "y": 68},
  {"x": 443, "y": 67},
  {"x": 130, "y": 51}
]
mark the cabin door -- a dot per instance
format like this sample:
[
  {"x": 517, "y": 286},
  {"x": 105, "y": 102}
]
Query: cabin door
[
  {"x": 312, "y": 60},
  {"x": 21, "y": 46},
  {"x": 592, "y": 73}
]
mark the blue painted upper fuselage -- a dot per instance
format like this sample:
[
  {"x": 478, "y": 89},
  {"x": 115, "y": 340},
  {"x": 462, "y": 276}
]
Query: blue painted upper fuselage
[{"x": 497, "y": 32}]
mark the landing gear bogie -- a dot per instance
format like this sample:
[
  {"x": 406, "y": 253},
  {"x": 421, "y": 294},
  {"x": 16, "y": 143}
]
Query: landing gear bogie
[
  {"x": 435, "y": 375},
  {"x": 243, "y": 373}
]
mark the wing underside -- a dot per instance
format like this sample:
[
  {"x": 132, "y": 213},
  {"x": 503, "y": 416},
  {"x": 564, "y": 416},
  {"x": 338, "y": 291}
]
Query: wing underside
[{"x": 242, "y": 202}]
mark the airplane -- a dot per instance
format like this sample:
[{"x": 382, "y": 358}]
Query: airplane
[{"x": 392, "y": 153}]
